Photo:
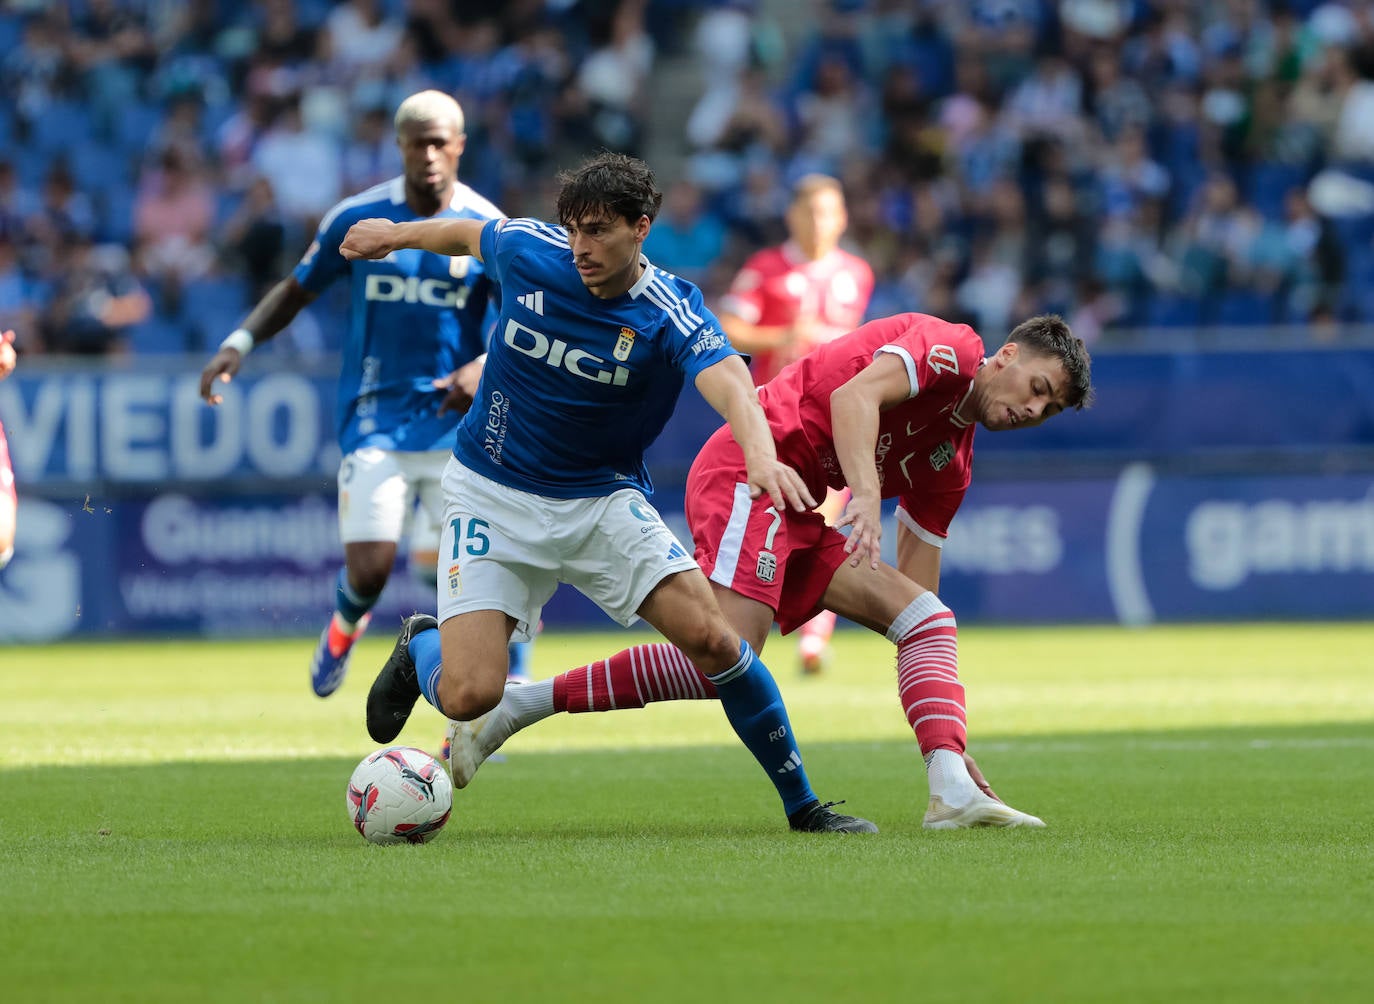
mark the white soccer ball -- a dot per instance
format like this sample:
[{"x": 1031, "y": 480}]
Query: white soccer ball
[{"x": 399, "y": 795}]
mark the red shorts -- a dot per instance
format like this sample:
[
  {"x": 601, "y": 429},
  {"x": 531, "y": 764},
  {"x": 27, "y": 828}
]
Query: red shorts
[
  {"x": 782, "y": 558},
  {"x": 6, "y": 468}
]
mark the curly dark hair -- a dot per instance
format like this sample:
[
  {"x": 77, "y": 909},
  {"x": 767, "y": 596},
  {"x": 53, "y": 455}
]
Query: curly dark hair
[
  {"x": 1049, "y": 335},
  {"x": 609, "y": 184}
]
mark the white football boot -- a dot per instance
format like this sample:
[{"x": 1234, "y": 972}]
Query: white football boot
[
  {"x": 980, "y": 810},
  {"x": 469, "y": 744}
]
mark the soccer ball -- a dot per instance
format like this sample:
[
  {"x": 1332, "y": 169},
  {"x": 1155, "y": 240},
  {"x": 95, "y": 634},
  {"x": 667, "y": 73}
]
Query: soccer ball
[{"x": 399, "y": 795}]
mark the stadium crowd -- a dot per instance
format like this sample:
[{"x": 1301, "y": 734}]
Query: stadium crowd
[{"x": 1130, "y": 163}]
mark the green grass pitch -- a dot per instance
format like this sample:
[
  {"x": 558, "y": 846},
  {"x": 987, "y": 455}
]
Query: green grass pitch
[{"x": 172, "y": 828}]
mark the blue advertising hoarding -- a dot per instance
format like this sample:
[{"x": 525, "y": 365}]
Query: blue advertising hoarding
[{"x": 144, "y": 511}]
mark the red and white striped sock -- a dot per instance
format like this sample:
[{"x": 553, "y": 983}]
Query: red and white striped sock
[
  {"x": 928, "y": 674},
  {"x": 631, "y": 678}
]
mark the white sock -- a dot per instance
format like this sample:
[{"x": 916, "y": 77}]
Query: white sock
[
  {"x": 527, "y": 703},
  {"x": 949, "y": 778}
]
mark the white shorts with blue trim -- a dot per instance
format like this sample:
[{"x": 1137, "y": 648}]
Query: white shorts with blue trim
[{"x": 504, "y": 549}]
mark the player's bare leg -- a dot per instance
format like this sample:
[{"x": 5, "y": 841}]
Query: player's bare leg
[{"x": 459, "y": 667}]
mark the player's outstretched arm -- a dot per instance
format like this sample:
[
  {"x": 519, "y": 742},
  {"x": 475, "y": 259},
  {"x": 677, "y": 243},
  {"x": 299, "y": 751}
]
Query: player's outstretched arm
[
  {"x": 273, "y": 312},
  {"x": 378, "y": 238},
  {"x": 729, "y": 389}
]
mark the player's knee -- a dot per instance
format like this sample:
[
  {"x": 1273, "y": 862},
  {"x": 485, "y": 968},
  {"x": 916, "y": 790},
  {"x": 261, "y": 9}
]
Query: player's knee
[
  {"x": 367, "y": 578},
  {"x": 466, "y": 699},
  {"x": 713, "y": 645}
]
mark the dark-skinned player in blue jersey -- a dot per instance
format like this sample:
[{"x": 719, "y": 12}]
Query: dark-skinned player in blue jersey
[{"x": 416, "y": 330}]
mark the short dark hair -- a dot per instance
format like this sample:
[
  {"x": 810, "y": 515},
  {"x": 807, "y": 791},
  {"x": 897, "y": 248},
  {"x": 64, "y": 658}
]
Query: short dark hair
[
  {"x": 1049, "y": 335},
  {"x": 609, "y": 183}
]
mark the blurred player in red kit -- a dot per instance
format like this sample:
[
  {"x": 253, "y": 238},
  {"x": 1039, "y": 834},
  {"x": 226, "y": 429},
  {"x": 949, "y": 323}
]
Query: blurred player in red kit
[
  {"x": 9, "y": 501},
  {"x": 789, "y": 299}
]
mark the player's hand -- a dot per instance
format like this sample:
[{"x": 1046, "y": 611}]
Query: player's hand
[
  {"x": 8, "y": 359},
  {"x": 780, "y": 483},
  {"x": 221, "y": 368},
  {"x": 461, "y": 386},
  {"x": 978, "y": 777},
  {"x": 864, "y": 517},
  {"x": 368, "y": 239}
]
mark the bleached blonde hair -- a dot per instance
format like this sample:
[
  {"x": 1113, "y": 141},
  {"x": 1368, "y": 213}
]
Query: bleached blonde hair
[{"x": 430, "y": 106}]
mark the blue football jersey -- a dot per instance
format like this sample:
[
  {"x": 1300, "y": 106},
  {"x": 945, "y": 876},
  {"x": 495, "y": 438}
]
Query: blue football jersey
[
  {"x": 413, "y": 316},
  {"x": 576, "y": 387}
]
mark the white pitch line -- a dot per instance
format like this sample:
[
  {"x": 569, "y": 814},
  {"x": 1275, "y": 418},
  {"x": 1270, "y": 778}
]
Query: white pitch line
[{"x": 1083, "y": 746}]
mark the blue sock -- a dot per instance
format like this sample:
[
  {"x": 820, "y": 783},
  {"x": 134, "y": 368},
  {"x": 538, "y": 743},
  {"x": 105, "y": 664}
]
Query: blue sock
[
  {"x": 429, "y": 663},
  {"x": 751, "y": 700},
  {"x": 520, "y": 659},
  {"x": 350, "y": 605}
]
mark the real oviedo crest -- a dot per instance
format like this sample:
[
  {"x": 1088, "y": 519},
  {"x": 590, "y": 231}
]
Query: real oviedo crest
[{"x": 624, "y": 343}]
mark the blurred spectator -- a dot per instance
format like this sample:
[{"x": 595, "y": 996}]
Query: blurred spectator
[
  {"x": 370, "y": 155},
  {"x": 685, "y": 239},
  {"x": 64, "y": 214},
  {"x": 255, "y": 237},
  {"x": 17, "y": 204},
  {"x": 610, "y": 84},
  {"x": 1353, "y": 139},
  {"x": 96, "y": 301},
  {"x": 17, "y": 297},
  {"x": 302, "y": 167},
  {"x": 114, "y": 51},
  {"x": 359, "y": 39},
  {"x": 36, "y": 73},
  {"x": 173, "y": 214}
]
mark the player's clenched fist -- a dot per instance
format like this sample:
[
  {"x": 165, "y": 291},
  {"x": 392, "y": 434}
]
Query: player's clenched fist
[{"x": 368, "y": 239}]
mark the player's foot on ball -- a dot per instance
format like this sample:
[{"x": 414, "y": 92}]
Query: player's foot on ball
[
  {"x": 329, "y": 665},
  {"x": 396, "y": 688},
  {"x": 819, "y": 817},
  {"x": 469, "y": 744},
  {"x": 978, "y": 811}
]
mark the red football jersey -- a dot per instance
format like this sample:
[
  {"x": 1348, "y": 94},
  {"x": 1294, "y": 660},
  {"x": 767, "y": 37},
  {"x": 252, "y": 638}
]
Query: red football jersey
[
  {"x": 777, "y": 286},
  {"x": 6, "y": 469},
  {"x": 924, "y": 452}
]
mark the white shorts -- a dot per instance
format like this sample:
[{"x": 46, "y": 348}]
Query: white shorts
[
  {"x": 381, "y": 491},
  {"x": 504, "y": 549}
]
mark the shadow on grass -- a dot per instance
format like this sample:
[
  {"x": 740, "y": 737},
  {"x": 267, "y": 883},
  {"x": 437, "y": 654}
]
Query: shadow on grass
[{"x": 678, "y": 793}]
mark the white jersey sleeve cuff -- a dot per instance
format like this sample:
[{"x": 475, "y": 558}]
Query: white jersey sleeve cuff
[
  {"x": 904, "y": 518},
  {"x": 907, "y": 361}
]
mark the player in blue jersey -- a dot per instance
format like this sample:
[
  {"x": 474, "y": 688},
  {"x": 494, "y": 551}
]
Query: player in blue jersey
[
  {"x": 548, "y": 483},
  {"x": 410, "y": 364}
]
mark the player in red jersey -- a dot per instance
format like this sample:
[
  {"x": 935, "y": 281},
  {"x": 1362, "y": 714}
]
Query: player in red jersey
[
  {"x": 889, "y": 410},
  {"x": 9, "y": 501},
  {"x": 789, "y": 299}
]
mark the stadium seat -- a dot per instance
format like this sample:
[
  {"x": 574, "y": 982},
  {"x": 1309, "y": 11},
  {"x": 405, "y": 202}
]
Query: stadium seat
[
  {"x": 159, "y": 336},
  {"x": 1243, "y": 308},
  {"x": 97, "y": 168},
  {"x": 1267, "y": 184},
  {"x": 135, "y": 127},
  {"x": 62, "y": 128},
  {"x": 211, "y": 308},
  {"x": 1169, "y": 310},
  {"x": 115, "y": 211}
]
